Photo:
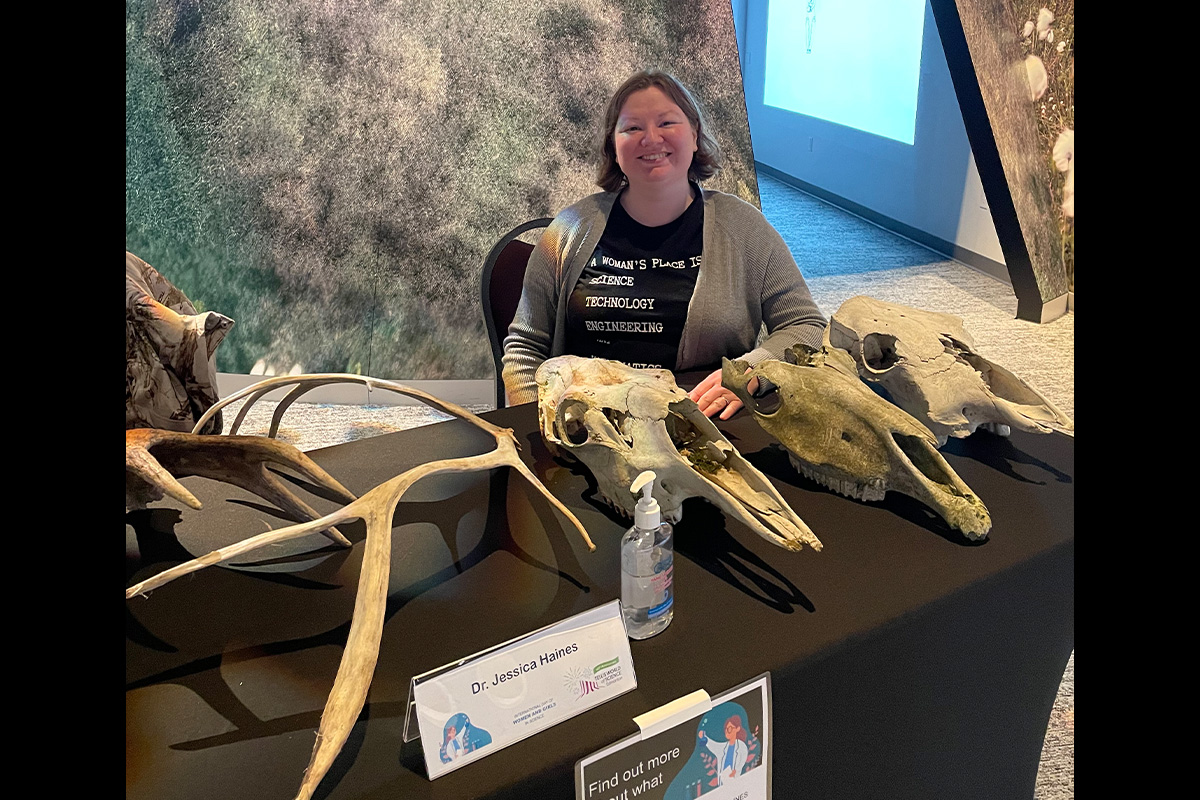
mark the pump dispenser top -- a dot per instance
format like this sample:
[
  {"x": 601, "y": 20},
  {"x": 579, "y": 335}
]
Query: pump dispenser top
[{"x": 646, "y": 514}]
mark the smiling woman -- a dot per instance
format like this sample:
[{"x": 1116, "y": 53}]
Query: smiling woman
[
  {"x": 656, "y": 271},
  {"x": 654, "y": 140},
  {"x": 655, "y": 143}
]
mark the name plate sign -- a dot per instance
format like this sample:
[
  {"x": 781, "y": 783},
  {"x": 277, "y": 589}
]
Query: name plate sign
[
  {"x": 716, "y": 747},
  {"x": 481, "y": 704}
]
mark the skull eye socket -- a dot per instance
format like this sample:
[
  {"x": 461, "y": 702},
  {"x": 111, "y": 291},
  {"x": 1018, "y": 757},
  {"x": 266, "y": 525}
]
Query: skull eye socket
[
  {"x": 570, "y": 424},
  {"x": 879, "y": 351},
  {"x": 766, "y": 400}
]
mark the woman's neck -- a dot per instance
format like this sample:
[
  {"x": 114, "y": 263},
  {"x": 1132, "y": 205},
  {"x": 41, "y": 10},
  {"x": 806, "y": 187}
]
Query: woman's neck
[{"x": 656, "y": 206}]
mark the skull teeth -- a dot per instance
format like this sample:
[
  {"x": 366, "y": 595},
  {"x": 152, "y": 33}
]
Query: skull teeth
[
  {"x": 615, "y": 506},
  {"x": 872, "y": 490}
]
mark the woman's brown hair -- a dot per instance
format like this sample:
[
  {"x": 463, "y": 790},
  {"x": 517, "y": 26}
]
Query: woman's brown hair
[
  {"x": 736, "y": 719},
  {"x": 706, "y": 161}
]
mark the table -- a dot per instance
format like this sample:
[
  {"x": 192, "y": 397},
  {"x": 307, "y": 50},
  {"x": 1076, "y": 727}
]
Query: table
[{"x": 905, "y": 661}]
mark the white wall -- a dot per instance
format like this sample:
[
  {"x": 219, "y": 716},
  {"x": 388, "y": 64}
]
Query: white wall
[
  {"x": 929, "y": 191},
  {"x": 463, "y": 392}
]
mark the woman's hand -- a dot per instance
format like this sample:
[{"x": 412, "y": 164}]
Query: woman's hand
[{"x": 713, "y": 398}]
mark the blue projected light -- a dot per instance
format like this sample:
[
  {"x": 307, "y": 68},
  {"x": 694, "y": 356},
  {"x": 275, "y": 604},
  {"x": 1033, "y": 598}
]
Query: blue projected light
[{"x": 853, "y": 62}]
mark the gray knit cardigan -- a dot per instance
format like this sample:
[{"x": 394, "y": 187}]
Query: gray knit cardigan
[{"x": 747, "y": 279}]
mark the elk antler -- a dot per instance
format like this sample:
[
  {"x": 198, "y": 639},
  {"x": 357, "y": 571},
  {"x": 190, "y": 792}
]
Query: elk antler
[
  {"x": 155, "y": 459},
  {"x": 376, "y": 508}
]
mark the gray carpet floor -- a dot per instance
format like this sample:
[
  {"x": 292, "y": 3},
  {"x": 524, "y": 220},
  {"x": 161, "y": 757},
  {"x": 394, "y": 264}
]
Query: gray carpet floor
[{"x": 840, "y": 255}]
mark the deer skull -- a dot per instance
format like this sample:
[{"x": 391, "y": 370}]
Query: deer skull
[
  {"x": 619, "y": 421},
  {"x": 926, "y": 363},
  {"x": 845, "y": 437}
]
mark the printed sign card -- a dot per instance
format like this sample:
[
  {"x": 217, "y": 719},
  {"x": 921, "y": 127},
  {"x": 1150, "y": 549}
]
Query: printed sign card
[
  {"x": 476, "y": 706},
  {"x": 719, "y": 749}
]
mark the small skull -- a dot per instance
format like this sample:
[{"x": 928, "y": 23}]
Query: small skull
[
  {"x": 845, "y": 437},
  {"x": 926, "y": 363},
  {"x": 620, "y": 421}
]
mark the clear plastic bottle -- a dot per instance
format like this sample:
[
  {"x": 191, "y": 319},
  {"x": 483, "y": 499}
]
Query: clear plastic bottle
[{"x": 647, "y": 564}]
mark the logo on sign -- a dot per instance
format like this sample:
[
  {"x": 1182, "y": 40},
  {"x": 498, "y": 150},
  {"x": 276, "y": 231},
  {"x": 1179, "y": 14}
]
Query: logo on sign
[{"x": 581, "y": 681}]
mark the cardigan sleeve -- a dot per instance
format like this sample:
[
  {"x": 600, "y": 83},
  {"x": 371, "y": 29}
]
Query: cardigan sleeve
[
  {"x": 530, "y": 336},
  {"x": 790, "y": 314},
  {"x": 554, "y": 265}
]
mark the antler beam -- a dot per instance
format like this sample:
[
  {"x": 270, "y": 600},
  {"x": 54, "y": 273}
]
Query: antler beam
[{"x": 376, "y": 508}]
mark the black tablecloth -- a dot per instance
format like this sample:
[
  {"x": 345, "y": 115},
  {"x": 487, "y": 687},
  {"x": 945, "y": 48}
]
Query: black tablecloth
[{"x": 905, "y": 661}]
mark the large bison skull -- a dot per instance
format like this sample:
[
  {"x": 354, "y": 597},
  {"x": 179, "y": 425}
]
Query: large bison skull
[
  {"x": 621, "y": 421},
  {"x": 926, "y": 363},
  {"x": 845, "y": 437}
]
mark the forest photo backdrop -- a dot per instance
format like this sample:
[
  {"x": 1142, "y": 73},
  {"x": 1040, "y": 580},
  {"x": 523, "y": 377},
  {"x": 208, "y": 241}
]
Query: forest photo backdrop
[{"x": 332, "y": 176}]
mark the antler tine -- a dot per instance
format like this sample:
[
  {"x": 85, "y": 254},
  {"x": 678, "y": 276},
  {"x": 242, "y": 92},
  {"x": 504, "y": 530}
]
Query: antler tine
[
  {"x": 357, "y": 666},
  {"x": 224, "y": 554},
  {"x": 445, "y": 405},
  {"x": 506, "y": 443},
  {"x": 242, "y": 412},
  {"x": 158, "y": 481},
  {"x": 519, "y": 465},
  {"x": 295, "y": 394},
  {"x": 238, "y": 460},
  {"x": 257, "y": 390}
]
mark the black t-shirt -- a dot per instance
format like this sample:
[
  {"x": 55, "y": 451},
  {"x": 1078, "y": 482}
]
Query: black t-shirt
[{"x": 632, "y": 299}]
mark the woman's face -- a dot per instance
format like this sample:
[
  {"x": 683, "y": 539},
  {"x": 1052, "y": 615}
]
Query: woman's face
[
  {"x": 653, "y": 139},
  {"x": 730, "y": 731}
]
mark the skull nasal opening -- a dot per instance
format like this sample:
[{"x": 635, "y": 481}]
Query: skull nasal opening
[
  {"x": 879, "y": 351},
  {"x": 617, "y": 418},
  {"x": 924, "y": 459}
]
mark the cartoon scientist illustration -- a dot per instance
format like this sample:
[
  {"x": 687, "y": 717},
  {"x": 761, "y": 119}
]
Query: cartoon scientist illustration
[
  {"x": 453, "y": 747},
  {"x": 460, "y": 737},
  {"x": 731, "y": 754}
]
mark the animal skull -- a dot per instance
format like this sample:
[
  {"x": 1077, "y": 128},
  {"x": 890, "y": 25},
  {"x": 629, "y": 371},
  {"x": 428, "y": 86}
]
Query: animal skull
[
  {"x": 845, "y": 437},
  {"x": 926, "y": 363},
  {"x": 620, "y": 421}
]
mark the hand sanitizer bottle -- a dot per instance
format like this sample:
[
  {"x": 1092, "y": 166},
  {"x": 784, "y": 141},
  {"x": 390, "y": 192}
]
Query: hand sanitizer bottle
[{"x": 647, "y": 563}]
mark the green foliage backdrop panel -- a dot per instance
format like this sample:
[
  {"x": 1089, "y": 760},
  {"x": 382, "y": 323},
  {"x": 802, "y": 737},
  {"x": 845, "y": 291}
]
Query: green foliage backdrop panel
[{"x": 332, "y": 175}]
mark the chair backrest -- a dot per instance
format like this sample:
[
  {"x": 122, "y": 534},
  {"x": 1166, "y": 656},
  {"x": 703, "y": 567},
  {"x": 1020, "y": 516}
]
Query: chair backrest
[{"x": 503, "y": 276}]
